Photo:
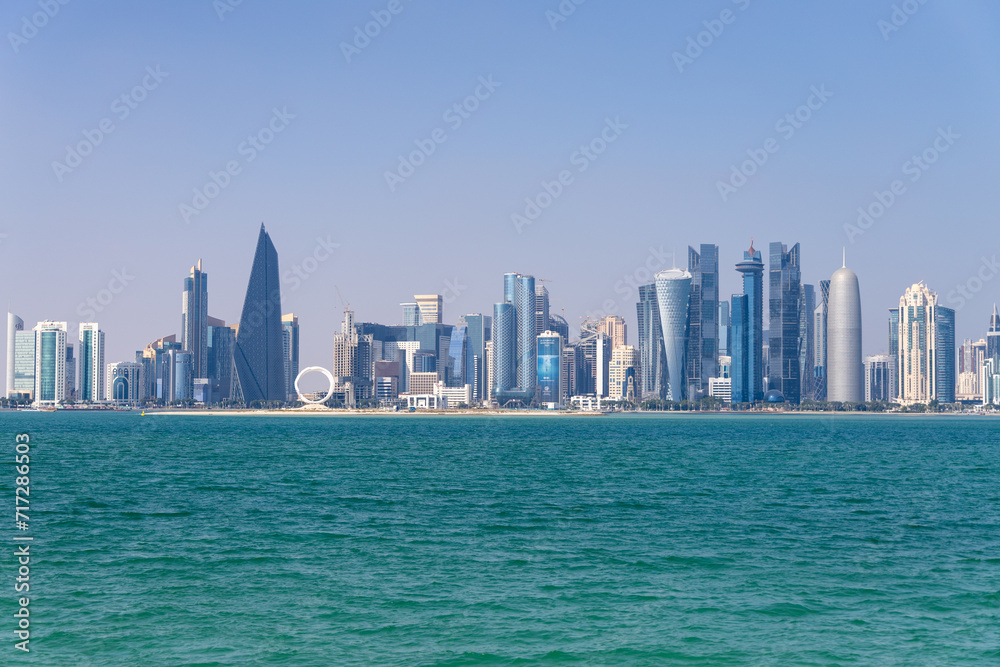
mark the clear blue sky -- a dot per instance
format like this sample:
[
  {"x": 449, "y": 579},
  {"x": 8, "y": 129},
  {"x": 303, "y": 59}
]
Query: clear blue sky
[{"x": 450, "y": 222}]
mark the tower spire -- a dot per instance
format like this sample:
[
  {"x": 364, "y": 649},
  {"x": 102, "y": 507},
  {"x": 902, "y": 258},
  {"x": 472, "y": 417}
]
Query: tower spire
[{"x": 845, "y": 257}]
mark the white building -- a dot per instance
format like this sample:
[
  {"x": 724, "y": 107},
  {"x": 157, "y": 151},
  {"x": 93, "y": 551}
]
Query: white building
[
  {"x": 125, "y": 383},
  {"x": 721, "y": 388},
  {"x": 453, "y": 396},
  {"x": 90, "y": 383}
]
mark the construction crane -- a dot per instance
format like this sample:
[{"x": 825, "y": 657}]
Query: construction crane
[{"x": 347, "y": 306}]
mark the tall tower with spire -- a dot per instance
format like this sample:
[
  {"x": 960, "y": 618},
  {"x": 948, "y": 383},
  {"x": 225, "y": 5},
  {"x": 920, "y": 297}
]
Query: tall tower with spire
[
  {"x": 747, "y": 314},
  {"x": 845, "y": 365}
]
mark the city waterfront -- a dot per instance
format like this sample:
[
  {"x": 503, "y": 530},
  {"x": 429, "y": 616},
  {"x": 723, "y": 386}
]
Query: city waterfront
[{"x": 630, "y": 539}]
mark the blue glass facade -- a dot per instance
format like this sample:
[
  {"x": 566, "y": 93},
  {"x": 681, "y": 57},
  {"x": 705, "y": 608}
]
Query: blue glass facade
[
  {"x": 740, "y": 350},
  {"x": 673, "y": 291},
  {"x": 549, "y": 369},
  {"x": 504, "y": 349},
  {"x": 703, "y": 326},
  {"x": 784, "y": 372},
  {"x": 652, "y": 357},
  {"x": 48, "y": 353},
  {"x": 752, "y": 268},
  {"x": 194, "y": 319},
  {"x": 946, "y": 359},
  {"x": 258, "y": 353}
]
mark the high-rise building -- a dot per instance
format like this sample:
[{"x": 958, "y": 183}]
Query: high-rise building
[
  {"x": 221, "y": 341},
  {"x": 990, "y": 377},
  {"x": 14, "y": 324},
  {"x": 703, "y": 327},
  {"x": 993, "y": 337},
  {"x": 50, "y": 363},
  {"x": 567, "y": 376},
  {"x": 479, "y": 327},
  {"x": 559, "y": 324},
  {"x": 257, "y": 356},
  {"x": 353, "y": 360},
  {"x": 70, "y": 374},
  {"x": 541, "y": 308},
  {"x": 821, "y": 315},
  {"x": 845, "y": 365},
  {"x": 652, "y": 356},
  {"x": 673, "y": 291},
  {"x": 926, "y": 347},
  {"x": 613, "y": 326},
  {"x": 459, "y": 369},
  {"x": 748, "y": 363},
  {"x": 519, "y": 292},
  {"x": 878, "y": 378},
  {"x": 785, "y": 294},
  {"x": 24, "y": 365},
  {"x": 430, "y": 307},
  {"x": 971, "y": 357},
  {"x": 807, "y": 342},
  {"x": 504, "y": 349},
  {"x": 125, "y": 383},
  {"x": 181, "y": 376},
  {"x": 549, "y": 355},
  {"x": 411, "y": 314},
  {"x": 91, "y": 362},
  {"x": 194, "y": 319},
  {"x": 290, "y": 352},
  {"x": 894, "y": 351},
  {"x": 622, "y": 373},
  {"x": 725, "y": 329}
]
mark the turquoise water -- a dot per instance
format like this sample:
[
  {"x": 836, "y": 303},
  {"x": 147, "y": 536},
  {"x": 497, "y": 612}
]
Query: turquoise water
[{"x": 421, "y": 540}]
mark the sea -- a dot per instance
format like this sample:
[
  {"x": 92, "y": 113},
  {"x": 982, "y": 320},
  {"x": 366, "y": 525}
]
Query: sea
[{"x": 642, "y": 539}]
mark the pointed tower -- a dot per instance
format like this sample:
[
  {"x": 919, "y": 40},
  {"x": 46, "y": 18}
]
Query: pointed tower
[{"x": 258, "y": 357}]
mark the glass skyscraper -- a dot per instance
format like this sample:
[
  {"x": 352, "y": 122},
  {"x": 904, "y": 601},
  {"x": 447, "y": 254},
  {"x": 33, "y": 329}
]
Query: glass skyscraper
[
  {"x": 703, "y": 327},
  {"x": 258, "y": 354},
  {"x": 652, "y": 358},
  {"x": 290, "y": 351},
  {"x": 194, "y": 319},
  {"x": 945, "y": 358},
  {"x": 807, "y": 341},
  {"x": 519, "y": 291},
  {"x": 820, "y": 321},
  {"x": 739, "y": 350},
  {"x": 673, "y": 292},
  {"x": 50, "y": 363},
  {"x": 91, "y": 381},
  {"x": 504, "y": 349},
  {"x": 479, "y": 334},
  {"x": 549, "y": 368},
  {"x": 752, "y": 268},
  {"x": 785, "y": 294}
]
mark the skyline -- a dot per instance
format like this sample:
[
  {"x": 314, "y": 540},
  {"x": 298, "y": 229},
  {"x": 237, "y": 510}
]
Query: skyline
[{"x": 320, "y": 184}]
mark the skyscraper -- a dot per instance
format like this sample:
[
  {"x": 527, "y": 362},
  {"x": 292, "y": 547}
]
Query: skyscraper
[
  {"x": 993, "y": 337},
  {"x": 926, "y": 347},
  {"x": 752, "y": 325},
  {"x": 549, "y": 373},
  {"x": 194, "y": 319},
  {"x": 14, "y": 324},
  {"x": 652, "y": 357},
  {"x": 504, "y": 350},
  {"x": 70, "y": 373},
  {"x": 519, "y": 292},
  {"x": 91, "y": 381},
  {"x": 821, "y": 314},
  {"x": 673, "y": 291},
  {"x": 480, "y": 330},
  {"x": 541, "y": 308},
  {"x": 741, "y": 386},
  {"x": 257, "y": 355},
  {"x": 290, "y": 351},
  {"x": 24, "y": 364},
  {"x": 725, "y": 331},
  {"x": 878, "y": 377},
  {"x": 50, "y": 363},
  {"x": 411, "y": 314},
  {"x": 807, "y": 342},
  {"x": 703, "y": 328},
  {"x": 845, "y": 365},
  {"x": 622, "y": 373},
  {"x": 614, "y": 327},
  {"x": 221, "y": 341},
  {"x": 785, "y": 294},
  {"x": 431, "y": 308}
]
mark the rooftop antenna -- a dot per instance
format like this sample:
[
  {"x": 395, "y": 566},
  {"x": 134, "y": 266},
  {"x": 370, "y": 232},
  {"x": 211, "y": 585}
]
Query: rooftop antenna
[{"x": 845, "y": 257}]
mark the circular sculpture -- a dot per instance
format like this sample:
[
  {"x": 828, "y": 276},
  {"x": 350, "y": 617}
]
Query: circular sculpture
[{"x": 315, "y": 369}]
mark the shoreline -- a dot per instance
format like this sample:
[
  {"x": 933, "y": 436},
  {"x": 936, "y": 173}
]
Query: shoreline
[{"x": 538, "y": 413}]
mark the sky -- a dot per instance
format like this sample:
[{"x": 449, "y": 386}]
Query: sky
[{"x": 139, "y": 137}]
